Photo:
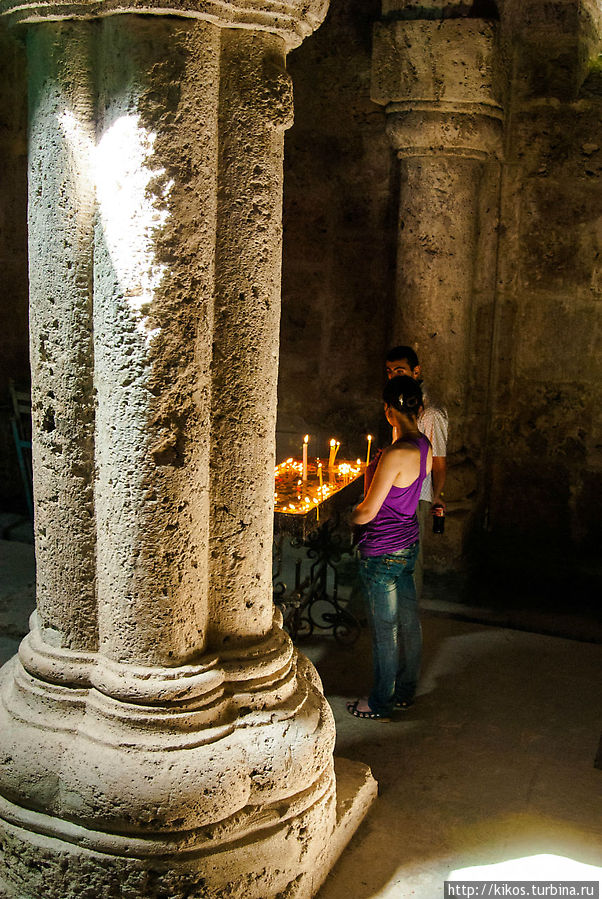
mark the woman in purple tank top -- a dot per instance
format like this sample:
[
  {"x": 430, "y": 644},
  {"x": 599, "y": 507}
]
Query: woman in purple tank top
[{"x": 388, "y": 547}]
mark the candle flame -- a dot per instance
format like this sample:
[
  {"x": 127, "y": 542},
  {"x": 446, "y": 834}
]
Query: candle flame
[
  {"x": 295, "y": 495},
  {"x": 333, "y": 442},
  {"x": 306, "y": 438}
]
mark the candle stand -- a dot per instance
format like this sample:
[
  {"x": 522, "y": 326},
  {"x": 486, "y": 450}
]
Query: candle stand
[{"x": 312, "y": 550}]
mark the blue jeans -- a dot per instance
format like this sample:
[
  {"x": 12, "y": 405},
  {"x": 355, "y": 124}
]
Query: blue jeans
[{"x": 396, "y": 634}]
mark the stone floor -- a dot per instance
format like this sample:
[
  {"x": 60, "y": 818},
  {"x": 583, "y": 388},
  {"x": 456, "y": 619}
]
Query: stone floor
[
  {"x": 17, "y": 582},
  {"x": 494, "y": 764}
]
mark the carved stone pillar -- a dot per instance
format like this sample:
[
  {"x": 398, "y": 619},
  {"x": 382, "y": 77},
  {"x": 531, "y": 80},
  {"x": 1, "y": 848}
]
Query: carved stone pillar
[
  {"x": 437, "y": 79},
  {"x": 159, "y": 735}
]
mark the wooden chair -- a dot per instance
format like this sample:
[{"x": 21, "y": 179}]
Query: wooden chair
[{"x": 21, "y": 428}]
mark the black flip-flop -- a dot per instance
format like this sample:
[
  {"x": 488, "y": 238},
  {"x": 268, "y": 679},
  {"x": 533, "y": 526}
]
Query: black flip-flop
[{"x": 352, "y": 708}]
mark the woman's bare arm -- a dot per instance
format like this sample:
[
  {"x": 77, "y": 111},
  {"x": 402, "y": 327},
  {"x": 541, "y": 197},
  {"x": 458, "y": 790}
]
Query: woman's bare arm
[{"x": 389, "y": 466}]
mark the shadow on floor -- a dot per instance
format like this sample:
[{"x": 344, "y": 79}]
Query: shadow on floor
[{"x": 495, "y": 761}]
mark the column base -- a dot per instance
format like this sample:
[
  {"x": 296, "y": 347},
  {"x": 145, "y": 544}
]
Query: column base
[
  {"x": 356, "y": 791},
  {"x": 209, "y": 780},
  {"x": 289, "y": 859}
]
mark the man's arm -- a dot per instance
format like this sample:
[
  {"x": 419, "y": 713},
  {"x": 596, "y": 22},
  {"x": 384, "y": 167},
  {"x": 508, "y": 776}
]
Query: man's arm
[
  {"x": 439, "y": 473},
  {"x": 435, "y": 428}
]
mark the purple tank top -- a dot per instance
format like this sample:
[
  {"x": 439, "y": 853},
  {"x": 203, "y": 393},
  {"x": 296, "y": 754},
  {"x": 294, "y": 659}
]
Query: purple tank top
[{"x": 395, "y": 525}]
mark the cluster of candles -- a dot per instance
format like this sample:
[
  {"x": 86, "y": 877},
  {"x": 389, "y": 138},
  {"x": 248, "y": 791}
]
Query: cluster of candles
[{"x": 301, "y": 486}]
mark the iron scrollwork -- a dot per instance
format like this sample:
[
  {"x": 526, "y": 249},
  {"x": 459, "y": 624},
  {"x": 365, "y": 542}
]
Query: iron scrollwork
[{"x": 312, "y": 603}]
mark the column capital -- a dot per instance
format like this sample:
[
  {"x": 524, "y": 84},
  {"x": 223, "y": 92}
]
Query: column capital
[
  {"x": 293, "y": 20},
  {"x": 439, "y": 83}
]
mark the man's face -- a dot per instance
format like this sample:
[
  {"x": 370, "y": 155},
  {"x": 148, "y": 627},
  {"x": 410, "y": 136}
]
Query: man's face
[{"x": 402, "y": 367}]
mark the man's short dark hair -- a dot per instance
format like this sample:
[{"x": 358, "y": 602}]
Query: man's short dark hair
[{"x": 403, "y": 352}]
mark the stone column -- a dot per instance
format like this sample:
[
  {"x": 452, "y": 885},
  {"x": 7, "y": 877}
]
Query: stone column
[
  {"x": 256, "y": 107},
  {"x": 437, "y": 79},
  {"x": 159, "y": 735},
  {"x": 61, "y": 234}
]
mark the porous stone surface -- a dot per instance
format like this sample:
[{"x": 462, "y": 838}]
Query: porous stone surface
[
  {"x": 451, "y": 62},
  {"x": 256, "y": 107},
  {"x": 339, "y": 241},
  {"x": 160, "y": 735},
  {"x": 544, "y": 478},
  {"x": 530, "y": 426},
  {"x": 438, "y": 242},
  {"x": 440, "y": 84},
  {"x": 233, "y": 872},
  {"x": 153, "y": 278},
  {"x": 291, "y": 20},
  {"x": 14, "y": 360},
  {"x": 60, "y": 277}
]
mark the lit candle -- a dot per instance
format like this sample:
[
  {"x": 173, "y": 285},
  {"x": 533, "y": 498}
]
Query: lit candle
[
  {"x": 344, "y": 469},
  {"x": 336, "y": 449},
  {"x": 333, "y": 452},
  {"x": 319, "y": 491},
  {"x": 368, "y": 453},
  {"x": 305, "y": 442}
]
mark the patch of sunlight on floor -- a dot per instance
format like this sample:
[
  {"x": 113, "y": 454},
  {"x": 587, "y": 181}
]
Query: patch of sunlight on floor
[{"x": 533, "y": 867}]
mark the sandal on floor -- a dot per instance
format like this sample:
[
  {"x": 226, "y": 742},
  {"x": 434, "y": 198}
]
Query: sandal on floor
[{"x": 352, "y": 708}]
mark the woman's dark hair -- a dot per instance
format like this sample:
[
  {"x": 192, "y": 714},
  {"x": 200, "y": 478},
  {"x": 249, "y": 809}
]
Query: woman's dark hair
[{"x": 404, "y": 394}]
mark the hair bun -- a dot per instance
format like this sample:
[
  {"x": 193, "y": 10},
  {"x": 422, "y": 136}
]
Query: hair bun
[{"x": 404, "y": 394}]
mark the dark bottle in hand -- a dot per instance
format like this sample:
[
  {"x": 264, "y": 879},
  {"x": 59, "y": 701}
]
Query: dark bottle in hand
[{"x": 438, "y": 518}]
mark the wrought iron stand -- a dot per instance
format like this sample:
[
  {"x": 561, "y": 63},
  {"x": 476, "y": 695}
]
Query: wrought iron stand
[{"x": 313, "y": 602}]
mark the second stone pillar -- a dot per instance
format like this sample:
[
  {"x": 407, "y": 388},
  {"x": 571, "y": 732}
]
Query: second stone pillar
[{"x": 439, "y": 82}]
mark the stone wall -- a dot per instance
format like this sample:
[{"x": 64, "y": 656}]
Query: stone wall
[
  {"x": 528, "y": 442},
  {"x": 340, "y": 208},
  {"x": 544, "y": 473},
  {"x": 13, "y": 252}
]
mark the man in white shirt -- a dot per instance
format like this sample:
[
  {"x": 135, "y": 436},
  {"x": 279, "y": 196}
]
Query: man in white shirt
[{"x": 432, "y": 421}]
